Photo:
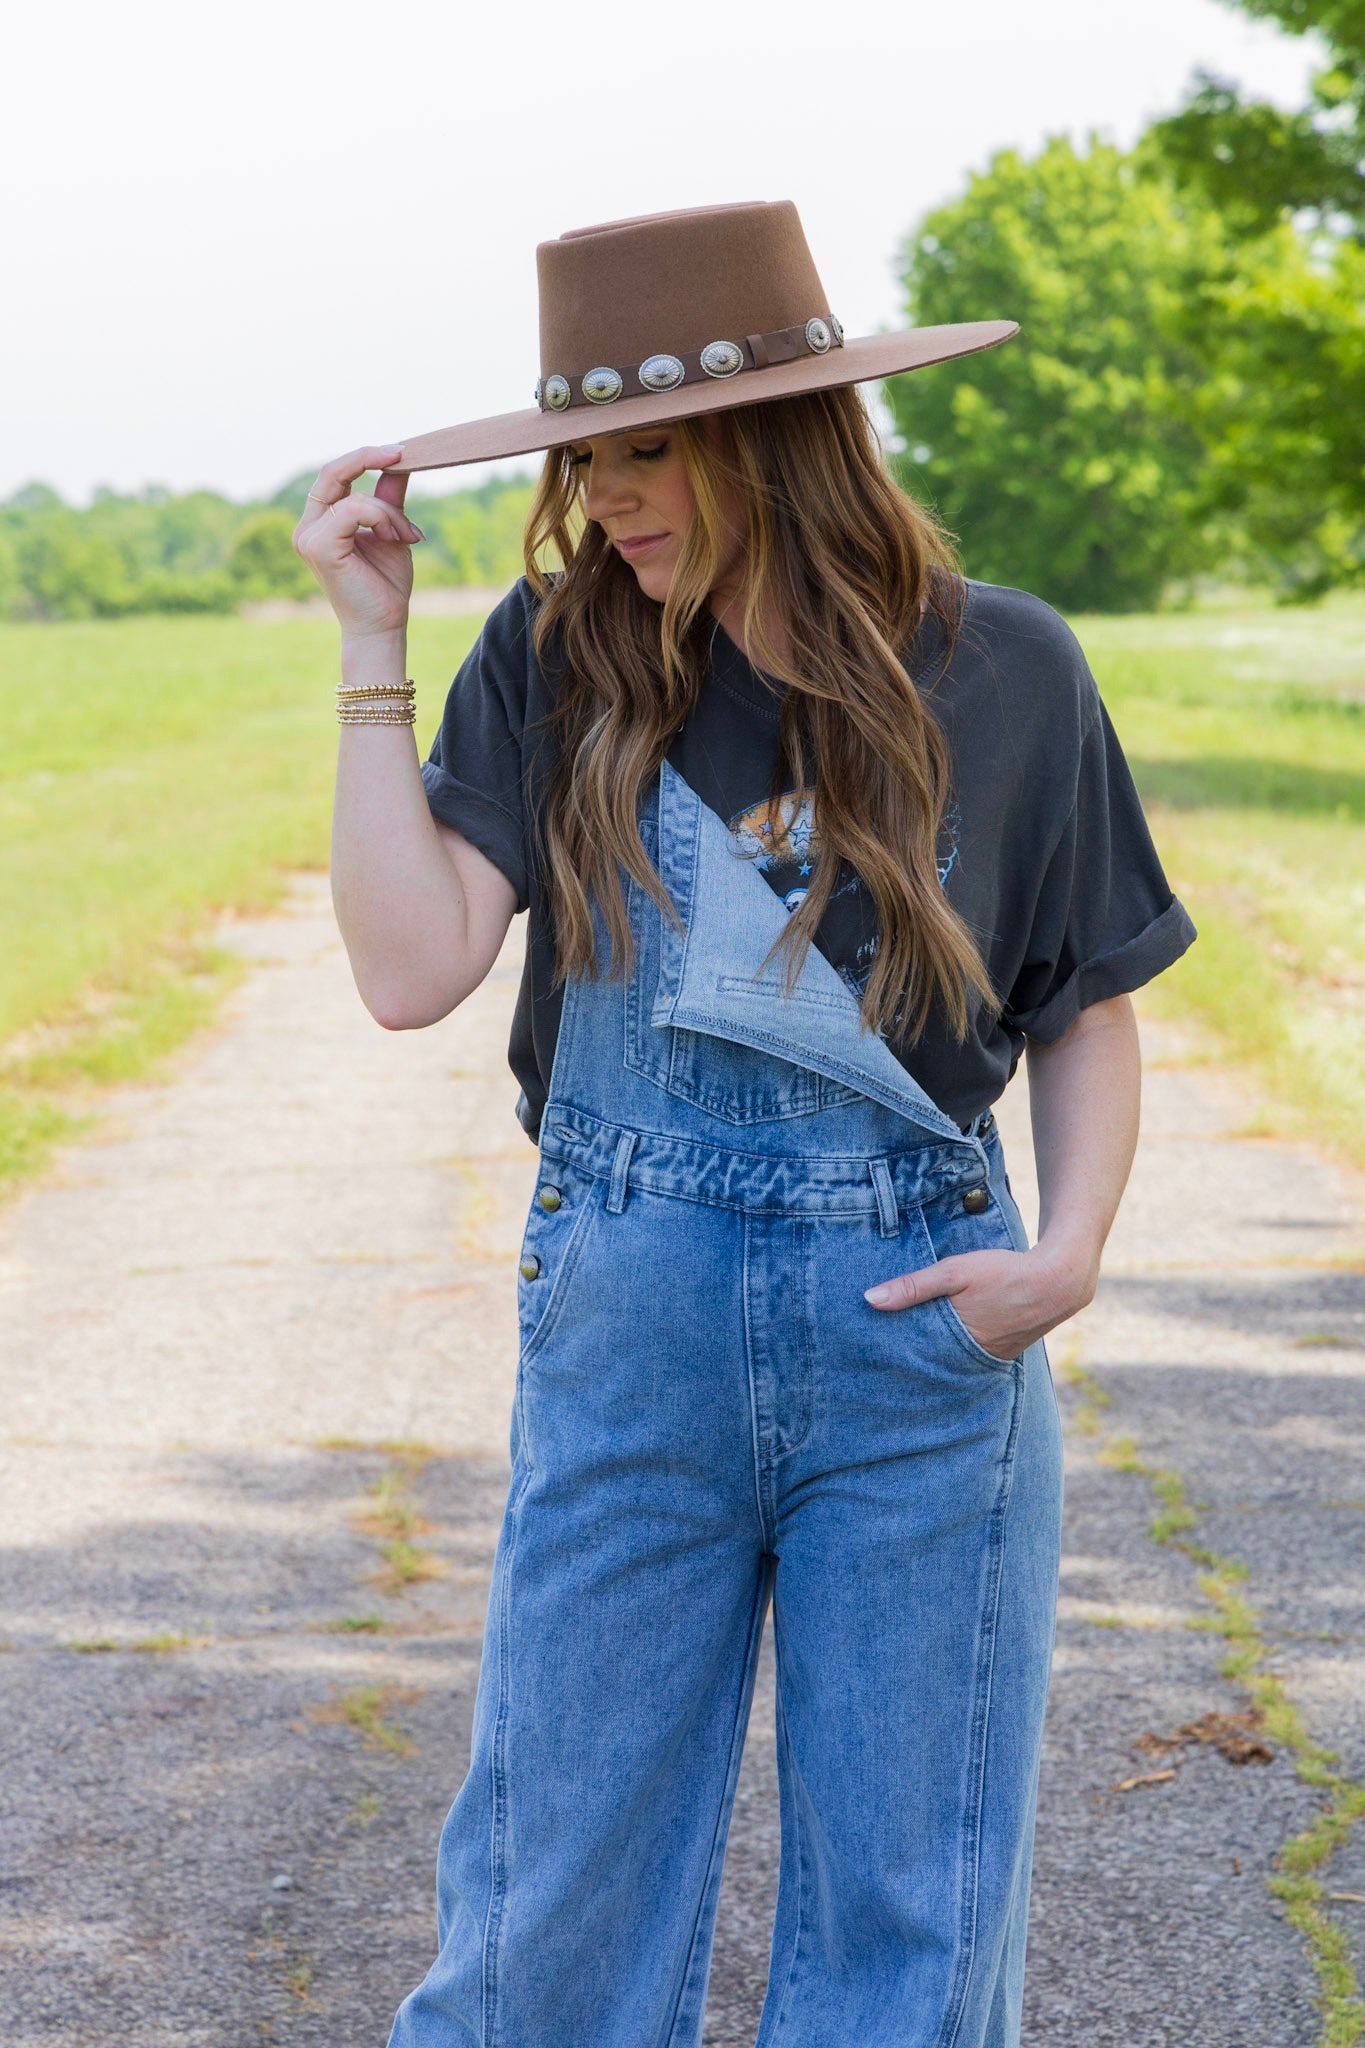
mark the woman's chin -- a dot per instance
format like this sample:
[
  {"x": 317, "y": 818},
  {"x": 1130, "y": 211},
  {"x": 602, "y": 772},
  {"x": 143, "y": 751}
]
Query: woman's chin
[{"x": 653, "y": 579}]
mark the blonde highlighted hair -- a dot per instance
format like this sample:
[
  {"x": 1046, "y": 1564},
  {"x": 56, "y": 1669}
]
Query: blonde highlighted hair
[{"x": 836, "y": 556}]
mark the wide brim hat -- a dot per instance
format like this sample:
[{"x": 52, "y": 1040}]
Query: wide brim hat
[{"x": 670, "y": 315}]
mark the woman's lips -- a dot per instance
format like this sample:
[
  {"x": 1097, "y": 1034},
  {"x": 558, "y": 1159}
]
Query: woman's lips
[{"x": 644, "y": 544}]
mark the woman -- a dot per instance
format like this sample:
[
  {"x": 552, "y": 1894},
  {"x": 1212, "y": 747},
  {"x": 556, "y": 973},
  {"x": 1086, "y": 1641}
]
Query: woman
[{"x": 815, "y": 838}]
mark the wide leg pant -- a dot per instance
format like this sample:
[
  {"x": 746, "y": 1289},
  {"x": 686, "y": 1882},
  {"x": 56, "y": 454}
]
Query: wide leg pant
[{"x": 709, "y": 1416}]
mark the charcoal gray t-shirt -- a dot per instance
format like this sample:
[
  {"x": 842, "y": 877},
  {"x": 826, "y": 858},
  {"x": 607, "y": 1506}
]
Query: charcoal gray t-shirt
[{"x": 1045, "y": 853}]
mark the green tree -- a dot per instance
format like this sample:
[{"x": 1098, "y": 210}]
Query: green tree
[
  {"x": 1290, "y": 465},
  {"x": 478, "y": 532},
  {"x": 1258, "y": 162},
  {"x": 70, "y": 570},
  {"x": 1069, "y": 460},
  {"x": 262, "y": 562}
]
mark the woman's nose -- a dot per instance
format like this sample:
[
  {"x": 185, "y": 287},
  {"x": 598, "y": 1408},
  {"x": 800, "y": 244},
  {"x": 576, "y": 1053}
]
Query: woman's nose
[{"x": 607, "y": 493}]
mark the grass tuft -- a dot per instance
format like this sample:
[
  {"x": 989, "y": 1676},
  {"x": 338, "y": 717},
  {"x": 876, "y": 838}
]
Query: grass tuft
[{"x": 366, "y": 1709}]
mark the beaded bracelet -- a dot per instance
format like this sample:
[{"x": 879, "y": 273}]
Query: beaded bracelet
[
  {"x": 377, "y": 703},
  {"x": 374, "y": 715}
]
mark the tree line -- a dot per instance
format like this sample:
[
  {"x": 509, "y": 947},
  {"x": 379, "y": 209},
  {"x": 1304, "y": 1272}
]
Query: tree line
[{"x": 155, "y": 551}]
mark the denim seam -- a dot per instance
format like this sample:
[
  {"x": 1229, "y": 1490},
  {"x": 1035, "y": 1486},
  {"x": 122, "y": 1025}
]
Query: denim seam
[
  {"x": 807, "y": 1359},
  {"x": 755, "y": 1435},
  {"x": 497, "y": 1874},
  {"x": 799, "y": 1928},
  {"x": 956, "y": 2004}
]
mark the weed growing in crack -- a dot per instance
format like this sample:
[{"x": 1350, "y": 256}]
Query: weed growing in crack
[{"x": 1295, "y": 1880}]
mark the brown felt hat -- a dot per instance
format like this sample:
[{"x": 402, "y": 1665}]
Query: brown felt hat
[{"x": 674, "y": 314}]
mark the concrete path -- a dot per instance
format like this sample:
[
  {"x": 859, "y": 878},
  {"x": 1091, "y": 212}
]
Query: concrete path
[{"x": 257, "y": 1347}]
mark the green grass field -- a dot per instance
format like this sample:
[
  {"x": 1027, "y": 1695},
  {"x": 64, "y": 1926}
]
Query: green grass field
[
  {"x": 1246, "y": 732},
  {"x": 152, "y": 771},
  {"x": 155, "y": 770}
]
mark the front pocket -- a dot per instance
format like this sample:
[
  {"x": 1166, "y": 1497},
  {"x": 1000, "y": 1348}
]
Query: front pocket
[
  {"x": 557, "y": 1239},
  {"x": 945, "y": 1230}
]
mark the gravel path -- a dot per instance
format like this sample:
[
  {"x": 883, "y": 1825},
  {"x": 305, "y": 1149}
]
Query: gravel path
[{"x": 258, "y": 1350}]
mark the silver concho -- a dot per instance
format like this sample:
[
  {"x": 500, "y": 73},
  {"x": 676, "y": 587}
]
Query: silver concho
[
  {"x": 818, "y": 335},
  {"x": 661, "y": 373},
  {"x": 601, "y": 386},
  {"x": 836, "y": 329},
  {"x": 722, "y": 358},
  {"x": 556, "y": 393}
]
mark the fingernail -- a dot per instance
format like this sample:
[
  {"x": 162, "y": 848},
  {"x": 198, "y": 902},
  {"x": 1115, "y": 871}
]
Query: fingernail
[
  {"x": 877, "y": 1295},
  {"x": 417, "y": 530}
]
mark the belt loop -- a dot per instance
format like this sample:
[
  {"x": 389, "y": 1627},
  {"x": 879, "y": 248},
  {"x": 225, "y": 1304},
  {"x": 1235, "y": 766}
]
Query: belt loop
[
  {"x": 620, "y": 1167},
  {"x": 886, "y": 1197}
]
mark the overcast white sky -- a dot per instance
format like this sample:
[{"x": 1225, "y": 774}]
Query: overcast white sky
[{"x": 239, "y": 239}]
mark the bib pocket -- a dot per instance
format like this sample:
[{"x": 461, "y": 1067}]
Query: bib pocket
[{"x": 737, "y": 1083}]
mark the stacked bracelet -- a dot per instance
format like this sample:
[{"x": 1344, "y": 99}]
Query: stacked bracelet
[{"x": 377, "y": 703}]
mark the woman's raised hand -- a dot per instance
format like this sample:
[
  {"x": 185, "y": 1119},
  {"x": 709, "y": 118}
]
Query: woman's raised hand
[{"x": 358, "y": 546}]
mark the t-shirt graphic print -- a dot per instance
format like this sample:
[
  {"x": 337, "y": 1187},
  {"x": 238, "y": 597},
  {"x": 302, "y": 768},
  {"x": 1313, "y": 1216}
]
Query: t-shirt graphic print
[{"x": 787, "y": 848}]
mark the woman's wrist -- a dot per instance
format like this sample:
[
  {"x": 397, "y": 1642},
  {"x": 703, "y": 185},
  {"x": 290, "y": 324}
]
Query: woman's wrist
[
  {"x": 1069, "y": 1264},
  {"x": 379, "y": 657}
]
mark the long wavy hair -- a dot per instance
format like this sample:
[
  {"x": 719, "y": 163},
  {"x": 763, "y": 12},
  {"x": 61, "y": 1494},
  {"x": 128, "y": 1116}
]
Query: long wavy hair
[{"x": 838, "y": 565}]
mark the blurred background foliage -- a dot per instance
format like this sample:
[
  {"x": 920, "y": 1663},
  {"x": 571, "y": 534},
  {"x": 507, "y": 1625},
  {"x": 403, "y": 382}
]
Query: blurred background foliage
[
  {"x": 1186, "y": 395},
  {"x": 200, "y": 552}
]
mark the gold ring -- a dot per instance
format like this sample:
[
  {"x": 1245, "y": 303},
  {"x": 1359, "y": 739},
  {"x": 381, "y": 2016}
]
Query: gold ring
[{"x": 317, "y": 500}]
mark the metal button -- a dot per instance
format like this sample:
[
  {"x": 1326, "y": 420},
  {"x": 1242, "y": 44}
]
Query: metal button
[
  {"x": 975, "y": 1200},
  {"x": 722, "y": 358},
  {"x": 530, "y": 1266},
  {"x": 602, "y": 385},
  {"x": 661, "y": 373},
  {"x": 550, "y": 1198}
]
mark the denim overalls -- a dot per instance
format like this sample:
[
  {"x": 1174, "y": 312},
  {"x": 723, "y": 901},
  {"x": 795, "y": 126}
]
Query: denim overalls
[{"x": 708, "y": 1412}]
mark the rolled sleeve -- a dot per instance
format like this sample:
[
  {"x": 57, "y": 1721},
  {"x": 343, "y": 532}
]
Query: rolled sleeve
[
  {"x": 1105, "y": 921},
  {"x": 484, "y": 823}
]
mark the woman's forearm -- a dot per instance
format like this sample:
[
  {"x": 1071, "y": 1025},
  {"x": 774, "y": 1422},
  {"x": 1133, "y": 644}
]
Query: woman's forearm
[
  {"x": 399, "y": 901},
  {"x": 1084, "y": 1092}
]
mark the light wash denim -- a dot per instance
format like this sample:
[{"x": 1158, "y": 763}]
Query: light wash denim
[{"x": 708, "y": 1414}]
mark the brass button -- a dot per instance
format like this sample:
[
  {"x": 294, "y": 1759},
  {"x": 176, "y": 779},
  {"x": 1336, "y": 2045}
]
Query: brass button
[
  {"x": 975, "y": 1200},
  {"x": 549, "y": 1198},
  {"x": 530, "y": 1266}
]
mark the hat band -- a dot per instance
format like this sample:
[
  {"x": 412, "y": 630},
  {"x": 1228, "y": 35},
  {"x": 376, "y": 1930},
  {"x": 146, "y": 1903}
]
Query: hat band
[{"x": 714, "y": 363}]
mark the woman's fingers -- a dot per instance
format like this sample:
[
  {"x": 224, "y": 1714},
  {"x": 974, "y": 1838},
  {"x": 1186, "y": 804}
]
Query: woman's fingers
[
  {"x": 333, "y": 482},
  {"x": 333, "y": 533},
  {"x": 906, "y": 1289},
  {"x": 392, "y": 488}
]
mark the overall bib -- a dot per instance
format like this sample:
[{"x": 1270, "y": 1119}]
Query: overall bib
[{"x": 708, "y": 1414}]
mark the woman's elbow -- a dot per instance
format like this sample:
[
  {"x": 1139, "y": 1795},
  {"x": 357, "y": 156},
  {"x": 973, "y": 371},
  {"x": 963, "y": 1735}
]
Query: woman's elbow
[{"x": 409, "y": 1009}]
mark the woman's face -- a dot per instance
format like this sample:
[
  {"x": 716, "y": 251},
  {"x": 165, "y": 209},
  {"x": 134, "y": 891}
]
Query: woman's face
[{"x": 637, "y": 488}]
